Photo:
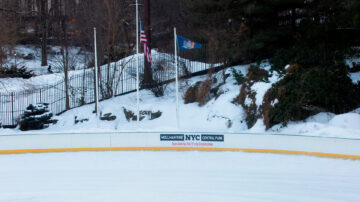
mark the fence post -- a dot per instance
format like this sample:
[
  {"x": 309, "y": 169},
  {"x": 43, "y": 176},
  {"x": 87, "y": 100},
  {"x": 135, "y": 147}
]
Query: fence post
[
  {"x": 40, "y": 95},
  {"x": 205, "y": 53},
  {"x": 12, "y": 108}
]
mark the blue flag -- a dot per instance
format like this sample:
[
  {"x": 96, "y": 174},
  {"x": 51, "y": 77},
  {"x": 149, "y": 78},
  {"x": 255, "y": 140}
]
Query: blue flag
[{"x": 186, "y": 44}]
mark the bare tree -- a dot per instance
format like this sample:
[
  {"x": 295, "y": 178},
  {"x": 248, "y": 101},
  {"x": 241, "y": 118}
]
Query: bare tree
[
  {"x": 44, "y": 29},
  {"x": 61, "y": 22},
  {"x": 113, "y": 20},
  {"x": 116, "y": 44},
  {"x": 8, "y": 27}
]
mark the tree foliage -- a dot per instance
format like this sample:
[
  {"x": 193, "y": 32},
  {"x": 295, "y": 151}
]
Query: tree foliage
[
  {"x": 258, "y": 29},
  {"x": 36, "y": 117},
  {"x": 313, "y": 36}
]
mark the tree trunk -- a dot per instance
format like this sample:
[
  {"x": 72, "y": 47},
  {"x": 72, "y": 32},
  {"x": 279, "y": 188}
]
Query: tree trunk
[
  {"x": 65, "y": 55},
  {"x": 147, "y": 27},
  {"x": 66, "y": 72},
  {"x": 44, "y": 29},
  {"x": 66, "y": 79}
]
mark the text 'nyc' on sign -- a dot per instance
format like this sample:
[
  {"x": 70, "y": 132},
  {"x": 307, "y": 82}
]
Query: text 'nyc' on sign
[{"x": 192, "y": 137}]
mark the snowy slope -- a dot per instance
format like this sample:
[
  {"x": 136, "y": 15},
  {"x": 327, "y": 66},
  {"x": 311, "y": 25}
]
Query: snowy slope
[
  {"x": 77, "y": 59},
  {"x": 42, "y": 76},
  {"x": 211, "y": 117},
  {"x": 218, "y": 115}
]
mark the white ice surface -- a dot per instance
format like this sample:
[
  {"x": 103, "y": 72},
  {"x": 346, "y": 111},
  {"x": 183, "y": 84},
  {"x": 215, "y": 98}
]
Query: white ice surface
[{"x": 176, "y": 176}]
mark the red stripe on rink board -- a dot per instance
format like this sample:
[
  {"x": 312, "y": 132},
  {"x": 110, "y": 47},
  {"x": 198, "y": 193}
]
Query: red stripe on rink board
[{"x": 273, "y": 151}]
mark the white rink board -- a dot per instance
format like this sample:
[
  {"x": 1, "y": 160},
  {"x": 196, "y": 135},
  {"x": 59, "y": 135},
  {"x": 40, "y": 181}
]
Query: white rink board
[{"x": 152, "y": 140}]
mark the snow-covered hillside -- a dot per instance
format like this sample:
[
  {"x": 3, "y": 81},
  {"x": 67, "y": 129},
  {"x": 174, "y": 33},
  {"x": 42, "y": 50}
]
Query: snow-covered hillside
[
  {"x": 218, "y": 115},
  {"x": 29, "y": 56}
]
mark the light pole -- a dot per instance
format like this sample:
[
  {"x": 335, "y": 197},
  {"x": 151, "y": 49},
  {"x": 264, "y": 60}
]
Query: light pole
[
  {"x": 137, "y": 65},
  {"x": 96, "y": 77},
  {"x": 15, "y": 58}
]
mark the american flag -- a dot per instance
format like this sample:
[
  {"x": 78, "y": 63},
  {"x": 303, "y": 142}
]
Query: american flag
[{"x": 143, "y": 40}]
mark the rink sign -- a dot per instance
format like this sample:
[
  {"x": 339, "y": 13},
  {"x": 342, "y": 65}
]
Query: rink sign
[{"x": 191, "y": 139}]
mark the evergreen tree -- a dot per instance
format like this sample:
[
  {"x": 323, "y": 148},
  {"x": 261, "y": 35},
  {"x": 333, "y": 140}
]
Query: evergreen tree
[
  {"x": 257, "y": 29},
  {"x": 319, "y": 82},
  {"x": 36, "y": 117},
  {"x": 314, "y": 36}
]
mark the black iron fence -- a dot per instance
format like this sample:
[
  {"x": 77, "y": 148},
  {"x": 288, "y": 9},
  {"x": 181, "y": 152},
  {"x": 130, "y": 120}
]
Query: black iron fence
[{"x": 115, "y": 79}]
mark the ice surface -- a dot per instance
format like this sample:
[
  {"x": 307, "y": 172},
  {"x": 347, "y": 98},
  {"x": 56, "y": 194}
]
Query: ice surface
[{"x": 176, "y": 176}]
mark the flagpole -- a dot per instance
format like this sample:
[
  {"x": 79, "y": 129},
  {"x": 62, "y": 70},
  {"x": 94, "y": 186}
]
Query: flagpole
[
  {"x": 96, "y": 77},
  {"x": 137, "y": 64},
  {"x": 176, "y": 81}
]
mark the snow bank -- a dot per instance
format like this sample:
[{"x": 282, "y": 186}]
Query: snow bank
[
  {"x": 346, "y": 121},
  {"x": 325, "y": 125}
]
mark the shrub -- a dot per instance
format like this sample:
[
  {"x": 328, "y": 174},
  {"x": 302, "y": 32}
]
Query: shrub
[
  {"x": 256, "y": 74},
  {"x": 15, "y": 72},
  {"x": 29, "y": 56},
  {"x": 203, "y": 91},
  {"x": 239, "y": 77},
  {"x": 309, "y": 91},
  {"x": 158, "y": 89},
  {"x": 36, "y": 117},
  {"x": 200, "y": 92},
  {"x": 307, "y": 57},
  {"x": 316, "y": 81},
  {"x": 157, "y": 86},
  {"x": 246, "y": 98},
  {"x": 293, "y": 68},
  {"x": 191, "y": 92}
]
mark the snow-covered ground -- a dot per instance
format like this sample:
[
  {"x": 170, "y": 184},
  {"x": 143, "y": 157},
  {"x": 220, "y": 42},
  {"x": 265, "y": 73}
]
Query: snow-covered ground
[
  {"x": 176, "y": 176},
  {"x": 77, "y": 58},
  {"x": 218, "y": 115},
  {"x": 16, "y": 93},
  {"x": 42, "y": 76},
  {"x": 211, "y": 117},
  {"x": 325, "y": 125}
]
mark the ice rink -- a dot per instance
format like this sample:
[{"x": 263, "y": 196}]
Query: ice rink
[{"x": 176, "y": 176}]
